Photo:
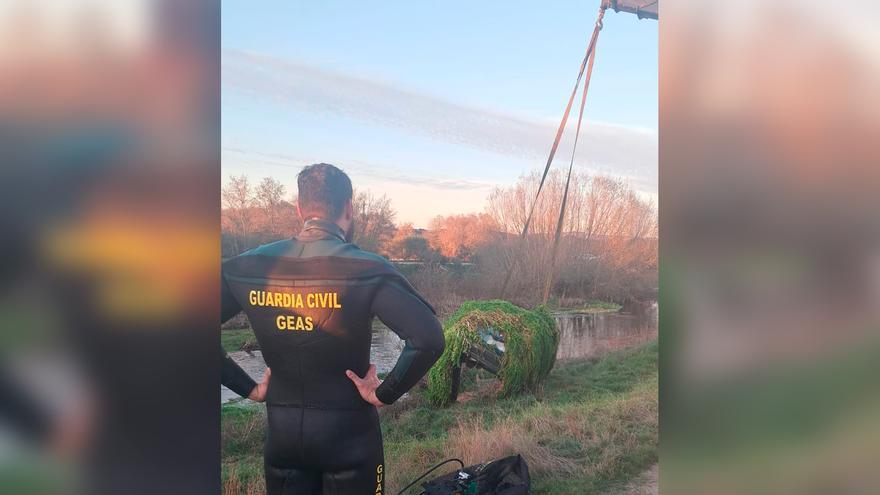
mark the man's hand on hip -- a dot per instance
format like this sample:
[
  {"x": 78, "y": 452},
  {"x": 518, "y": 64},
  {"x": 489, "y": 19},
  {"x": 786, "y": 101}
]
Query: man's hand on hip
[
  {"x": 258, "y": 394},
  {"x": 367, "y": 385}
]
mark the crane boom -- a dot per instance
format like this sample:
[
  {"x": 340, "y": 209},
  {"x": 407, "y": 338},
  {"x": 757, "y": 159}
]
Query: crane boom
[{"x": 645, "y": 9}]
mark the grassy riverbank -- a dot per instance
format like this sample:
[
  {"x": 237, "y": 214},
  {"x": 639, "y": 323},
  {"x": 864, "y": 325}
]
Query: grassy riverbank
[
  {"x": 232, "y": 339},
  {"x": 592, "y": 430},
  {"x": 587, "y": 307}
]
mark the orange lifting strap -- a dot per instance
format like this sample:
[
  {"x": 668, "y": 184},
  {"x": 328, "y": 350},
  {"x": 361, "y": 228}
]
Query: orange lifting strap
[
  {"x": 642, "y": 8},
  {"x": 586, "y": 65}
]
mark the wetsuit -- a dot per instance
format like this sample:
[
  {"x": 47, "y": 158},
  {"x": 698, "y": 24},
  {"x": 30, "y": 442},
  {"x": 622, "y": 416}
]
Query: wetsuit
[{"x": 311, "y": 301}]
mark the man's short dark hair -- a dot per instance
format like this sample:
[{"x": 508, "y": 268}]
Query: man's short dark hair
[{"x": 323, "y": 191}]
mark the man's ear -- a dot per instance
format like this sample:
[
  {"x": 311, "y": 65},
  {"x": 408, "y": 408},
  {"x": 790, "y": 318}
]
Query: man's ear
[
  {"x": 349, "y": 210},
  {"x": 299, "y": 212}
]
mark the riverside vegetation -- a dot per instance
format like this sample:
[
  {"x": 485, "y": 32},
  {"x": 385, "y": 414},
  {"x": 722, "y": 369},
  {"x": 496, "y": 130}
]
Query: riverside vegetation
[
  {"x": 591, "y": 428},
  {"x": 530, "y": 337}
]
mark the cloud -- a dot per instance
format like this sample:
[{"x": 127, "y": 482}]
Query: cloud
[
  {"x": 623, "y": 151},
  {"x": 364, "y": 170}
]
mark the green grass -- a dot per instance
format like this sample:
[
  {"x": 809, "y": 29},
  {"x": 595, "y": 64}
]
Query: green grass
[
  {"x": 242, "y": 431},
  {"x": 591, "y": 307},
  {"x": 591, "y": 429},
  {"x": 232, "y": 340}
]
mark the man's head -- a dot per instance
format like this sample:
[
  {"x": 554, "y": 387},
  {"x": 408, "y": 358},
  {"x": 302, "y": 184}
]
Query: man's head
[{"x": 325, "y": 192}]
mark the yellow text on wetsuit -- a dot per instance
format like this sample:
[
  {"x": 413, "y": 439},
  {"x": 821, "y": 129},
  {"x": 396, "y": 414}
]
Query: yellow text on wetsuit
[
  {"x": 290, "y": 322},
  {"x": 312, "y": 300},
  {"x": 379, "y": 479}
]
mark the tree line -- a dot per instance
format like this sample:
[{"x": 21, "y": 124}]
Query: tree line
[
  {"x": 608, "y": 250},
  {"x": 254, "y": 214}
]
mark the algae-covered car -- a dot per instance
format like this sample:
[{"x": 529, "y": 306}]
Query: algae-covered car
[{"x": 516, "y": 344}]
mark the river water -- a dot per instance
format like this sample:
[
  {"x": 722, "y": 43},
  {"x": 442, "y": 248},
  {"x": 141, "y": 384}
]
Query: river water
[{"x": 582, "y": 336}]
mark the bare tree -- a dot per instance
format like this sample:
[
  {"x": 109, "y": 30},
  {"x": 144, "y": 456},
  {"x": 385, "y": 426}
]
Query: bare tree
[
  {"x": 609, "y": 234},
  {"x": 238, "y": 200},
  {"x": 459, "y": 236},
  {"x": 270, "y": 198},
  {"x": 374, "y": 222}
]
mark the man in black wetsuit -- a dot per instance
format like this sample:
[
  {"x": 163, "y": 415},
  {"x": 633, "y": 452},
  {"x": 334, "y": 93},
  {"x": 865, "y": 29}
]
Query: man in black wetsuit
[{"x": 311, "y": 301}]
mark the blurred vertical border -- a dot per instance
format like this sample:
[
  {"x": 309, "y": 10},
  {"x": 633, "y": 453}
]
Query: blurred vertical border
[
  {"x": 770, "y": 246},
  {"x": 109, "y": 186}
]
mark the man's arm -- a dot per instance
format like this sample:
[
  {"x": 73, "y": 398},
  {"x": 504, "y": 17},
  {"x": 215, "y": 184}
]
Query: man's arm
[
  {"x": 415, "y": 323},
  {"x": 231, "y": 374},
  {"x": 21, "y": 409}
]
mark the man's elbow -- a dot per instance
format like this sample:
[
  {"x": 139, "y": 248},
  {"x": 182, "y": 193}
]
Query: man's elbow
[
  {"x": 429, "y": 342},
  {"x": 438, "y": 345},
  {"x": 437, "y": 342}
]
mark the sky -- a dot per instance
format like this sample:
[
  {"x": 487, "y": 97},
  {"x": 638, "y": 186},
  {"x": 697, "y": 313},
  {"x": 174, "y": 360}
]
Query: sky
[{"x": 433, "y": 104}]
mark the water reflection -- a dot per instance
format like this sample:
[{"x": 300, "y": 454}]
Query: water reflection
[
  {"x": 593, "y": 335},
  {"x": 582, "y": 336}
]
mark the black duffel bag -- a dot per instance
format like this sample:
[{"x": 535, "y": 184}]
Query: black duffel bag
[{"x": 507, "y": 476}]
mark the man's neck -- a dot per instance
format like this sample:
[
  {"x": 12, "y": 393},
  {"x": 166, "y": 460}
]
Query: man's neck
[{"x": 324, "y": 225}]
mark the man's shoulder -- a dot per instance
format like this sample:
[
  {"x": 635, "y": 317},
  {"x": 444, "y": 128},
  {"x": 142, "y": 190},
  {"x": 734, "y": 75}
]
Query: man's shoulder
[
  {"x": 288, "y": 257},
  {"x": 349, "y": 250},
  {"x": 272, "y": 249},
  {"x": 369, "y": 261},
  {"x": 277, "y": 248}
]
